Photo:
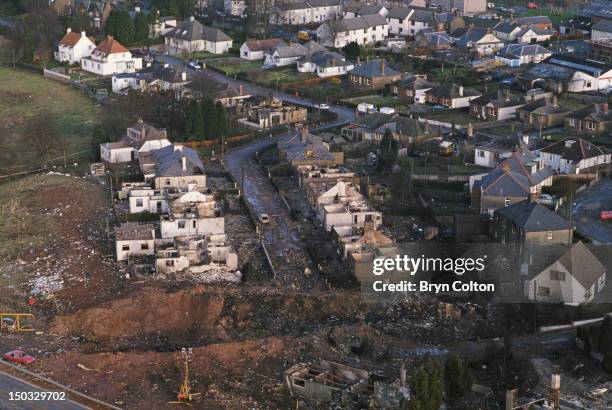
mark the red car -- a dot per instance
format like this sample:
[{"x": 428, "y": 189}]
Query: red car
[
  {"x": 605, "y": 216},
  {"x": 18, "y": 356},
  {"x": 532, "y": 5}
]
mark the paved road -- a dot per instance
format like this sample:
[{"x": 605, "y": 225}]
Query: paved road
[
  {"x": 586, "y": 209},
  {"x": 281, "y": 237},
  {"x": 11, "y": 384}
]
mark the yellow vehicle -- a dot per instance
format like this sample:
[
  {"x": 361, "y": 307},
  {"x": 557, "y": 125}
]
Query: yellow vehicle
[{"x": 303, "y": 36}]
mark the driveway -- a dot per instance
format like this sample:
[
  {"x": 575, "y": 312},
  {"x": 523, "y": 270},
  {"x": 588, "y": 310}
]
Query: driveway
[{"x": 586, "y": 209}]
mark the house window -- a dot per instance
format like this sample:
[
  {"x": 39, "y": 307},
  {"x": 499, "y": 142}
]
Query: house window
[
  {"x": 558, "y": 276},
  {"x": 181, "y": 224},
  {"x": 506, "y": 201},
  {"x": 572, "y": 122},
  {"x": 543, "y": 291},
  {"x": 590, "y": 125},
  {"x": 125, "y": 247},
  {"x": 139, "y": 202},
  {"x": 170, "y": 262},
  {"x": 193, "y": 223},
  {"x": 144, "y": 246},
  {"x": 549, "y": 235},
  {"x": 481, "y": 153},
  {"x": 167, "y": 182}
]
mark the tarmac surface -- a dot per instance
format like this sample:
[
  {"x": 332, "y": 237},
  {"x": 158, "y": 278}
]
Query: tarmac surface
[
  {"x": 10, "y": 384},
  {"x": 586, "y": 210}
]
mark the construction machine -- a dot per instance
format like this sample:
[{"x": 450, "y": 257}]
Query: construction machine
[{"x": 184, "y": 395}]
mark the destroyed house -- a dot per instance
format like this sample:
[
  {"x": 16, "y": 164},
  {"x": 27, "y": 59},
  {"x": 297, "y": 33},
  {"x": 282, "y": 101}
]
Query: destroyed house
[
  {"x": 193, "y": 214},
  {"x": 346, "y": 386},
  {"x": 174, "y": 166},
  {"x": 189, "y": 253},
  {"x": 134, "y": 240},
  {"x": 306, "y": 149},
  {"x": 405, "y": 130},
  {"x": 314, "y": 174}
]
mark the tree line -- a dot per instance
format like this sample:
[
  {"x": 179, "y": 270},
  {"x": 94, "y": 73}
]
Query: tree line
[
  {"x": 206, "y": 120},
  {"x": 128, "y": 30}
]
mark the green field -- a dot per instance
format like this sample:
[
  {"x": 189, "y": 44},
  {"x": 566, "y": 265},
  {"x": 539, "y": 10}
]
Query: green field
[
  {"x": 378, "y": 100},
  {"x": 27, "y": 95}
]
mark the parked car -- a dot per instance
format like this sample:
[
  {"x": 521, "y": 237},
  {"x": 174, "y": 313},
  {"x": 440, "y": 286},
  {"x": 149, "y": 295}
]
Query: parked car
[
  {"x": 18, "y": 356},
  {"x": 605, "y": 216},
  {"x": 323, "y": 106},
  {"x": 195, "y": 65},
  {"x": 264, "y": 218},
  {"x": 532, "y": 5}
]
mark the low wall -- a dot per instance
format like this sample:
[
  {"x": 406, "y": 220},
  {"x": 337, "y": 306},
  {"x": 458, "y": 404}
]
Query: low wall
[{"x": 54, "y": 75}]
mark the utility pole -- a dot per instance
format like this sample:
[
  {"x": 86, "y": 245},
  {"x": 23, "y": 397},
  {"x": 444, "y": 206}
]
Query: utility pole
[{"x": 222, "y": 147}]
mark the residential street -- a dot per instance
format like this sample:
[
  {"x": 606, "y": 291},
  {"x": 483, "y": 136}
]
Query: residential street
[
  {"x": 586, "y": 210},
  {"x": 11, "y": 384}
]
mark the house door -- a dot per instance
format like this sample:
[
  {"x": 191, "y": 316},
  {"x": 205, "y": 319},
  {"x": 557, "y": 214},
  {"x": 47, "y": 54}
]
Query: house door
[
  {"x": 133, "y": 153},
  {"x": 159, "y": 207}
]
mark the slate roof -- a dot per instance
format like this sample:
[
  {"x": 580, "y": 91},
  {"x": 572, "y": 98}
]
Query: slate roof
[
  {"x": 518, "y": 50},
  {"x": 399, "y": 13},
  {"x": 309, "y": 4},
  {"x": 603, "y": 25},
  {"x": 359, "y": 23},
  {"x": 263, "y": 45},
  {"x": 452, "y": 91},
  {"x": 580, "y": 149},
  {"x": 289, "y": 51},
  {"x": 474, "y": 35},
  {"x": 506, "y": 27},
  {"x": 311, "y": 148},
  {"x": 169, "y": 161},
  {"x": 193, "y": 30},
  {"x": 590, "y": 67},
  {"x": 370, "y": 9},
  {"x": 324, "y": 59},
  {"x": 595, "y": 112},
  {"x": 496, "y": 100},
  {"x": 424, "y": 16},
  {"x": 134, "y": 231},
  {"x": 533, "y": 217},
  {"x": 438, "y": 39},
  {"x": 412, "y": 82},
  {"x": 511, "y": 177},
  {"x": 374, "y": 69},
  {"x": 213, "y": 89},
  {"x": 582, "y": 264},
  {"x": 536, "y": 30}
]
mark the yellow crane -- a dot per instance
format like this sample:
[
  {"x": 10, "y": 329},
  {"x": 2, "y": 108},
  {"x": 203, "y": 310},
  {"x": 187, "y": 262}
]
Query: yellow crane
[
  {"x": 185, "y": 396},
  {"x": 12, "y": 322}
]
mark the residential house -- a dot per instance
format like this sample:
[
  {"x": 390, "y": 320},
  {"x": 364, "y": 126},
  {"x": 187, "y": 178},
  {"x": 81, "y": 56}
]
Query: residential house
[
  {"x": 305, "y": 149},
  {"x": 466, "y": 6},
  {"x": 489, "y": 152},
  {"x": 192, "y": 214},
  {"x": 110, "y": 57},
  {"x": 577, "y": 277},
  {"x": 357, "y": 8},
  {"x": 529, "y": 35},
  {"x": 235, "y": 8},
  {"x": 324, "y": 64},
  {"x": 408, "y": 21},
  {"x": 162, "y": 25},
  {"x": 601, "y": 50},
  {"x": 134, "y": 240},
  {"x": 153, "y": 79},
  {"x": 541, "y": 22},
  {"x": 495, "y": 106},
  {"x": 375, "y": 75},
  {"x": 506, "y": 30},
  {"x": 574, "y": 156},
  {"x": 148, "y": 200},
  {"x": 543, "y": 113},
  {"x": 576, "y": 25},
  {"x": 262, "y": 113},
  {"x": 372, "y": 127},
  {"x": 254, "y": 49},
  {"x": 530, "y": 223},
  {"x": 449, "y": 22},
  {"x": 519, "y": 177},
  {"x": 343, "y": 205},
  {"x": 299, "y": 12},
  {"x": 285, "y": 55},
  {"x": 561, "y": 73},
  {"x": 480, "y": 40},
  {"x": 451, "y": 95},
  {"x": 74, "y": 46},
  {"x": 411, "y": 86},
  {"x": 227, "y": 94},
  {"x": 61, "y": 7},
  {"x": 516, "y": 55},
  {"x": 140, "y": 138},
  {"x": 173, "y": 166},
  {"x": 367, "y": 29},
  {"x": 592, "y": 119},
  {"x": 97, "y": 11},
  {"x": 191, "y": 36},
  {"x": 433, "y": 40},
  {"x": 602, "y": 30}
]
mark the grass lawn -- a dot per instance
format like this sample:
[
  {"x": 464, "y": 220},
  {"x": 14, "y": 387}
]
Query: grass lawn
[
  {"x": 27, "y": 95},
  {"x": 235, "y": 65},
  {"x": 555, "y": 16},
  {"x": 378, "y": 100},
  {"x": 456, "y": 115},
  {"x": 276, "y": 78}
]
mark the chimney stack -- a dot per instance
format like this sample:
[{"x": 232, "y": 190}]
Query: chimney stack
[
  {"x": 461, "y": 91},
  {"x": 184, "y": 158},
  {"x": 382, "y": 67},
  {"x": 303, "y": 134},
  {"x": 191, "y": 18},
  {"x": 358, "y": 60},
  {"x": 470, "y": 131},
  {"x": 604, "y": 107},
  {"x": 83, "y": 34},
  {"x": 403, "y": 376},
  {"x": 184, "y": 76},
  {"x": 554, "y": 100},
  {"x": 241, "y": 88},
  {"x": 68, "y": 30}
]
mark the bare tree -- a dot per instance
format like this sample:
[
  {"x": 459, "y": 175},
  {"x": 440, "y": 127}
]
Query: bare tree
[{"x": 42, "y": 135}]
